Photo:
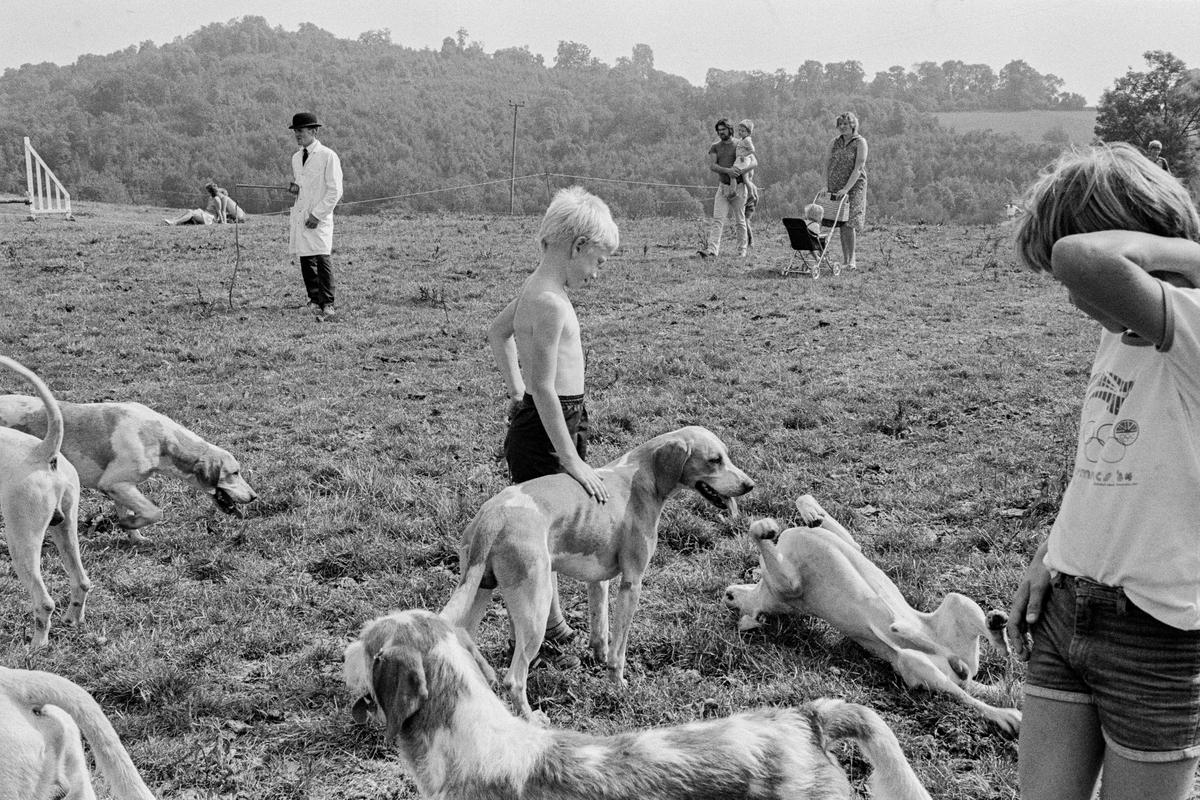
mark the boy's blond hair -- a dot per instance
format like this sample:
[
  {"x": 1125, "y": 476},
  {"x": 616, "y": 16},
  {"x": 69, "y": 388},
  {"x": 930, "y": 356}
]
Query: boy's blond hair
[
  {"x": 1107, "y": 187},
  {"x": 813, "y": 212},
  {"x": 576, "y": 212}
]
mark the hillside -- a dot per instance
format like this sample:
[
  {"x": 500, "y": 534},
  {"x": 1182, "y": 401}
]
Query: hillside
[
  {"x": 1045, "y": 125},
  {"x": 151, "y": 124}
]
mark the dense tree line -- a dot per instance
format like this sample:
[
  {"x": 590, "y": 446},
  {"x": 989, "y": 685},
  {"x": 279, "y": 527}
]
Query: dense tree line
[
  {"x": 1161, "y": 103},
  {"x": 150, "y": 124}
]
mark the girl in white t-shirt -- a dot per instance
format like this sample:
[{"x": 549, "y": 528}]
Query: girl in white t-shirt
[{"x": 1112, "y": 597}]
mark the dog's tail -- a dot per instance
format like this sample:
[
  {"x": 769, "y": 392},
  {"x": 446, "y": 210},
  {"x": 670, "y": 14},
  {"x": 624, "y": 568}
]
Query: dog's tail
[
  {"x": 891, "y": 776},
  {"x": 480, "y": 536},
  {"x": 52, "y": 441},
  {"x": 33, "y": 688}
]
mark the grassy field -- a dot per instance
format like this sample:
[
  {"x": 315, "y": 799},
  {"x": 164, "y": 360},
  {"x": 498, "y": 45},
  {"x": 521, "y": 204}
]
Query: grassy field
[
  {"x": 1066, "y": 127},
  {"x": 927, "y": 400}
]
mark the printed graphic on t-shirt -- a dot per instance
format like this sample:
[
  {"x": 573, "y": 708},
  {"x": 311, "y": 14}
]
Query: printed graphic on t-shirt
[
  {"x": 1111, "y": 389},
  {"x": 1105, "y": 442}
]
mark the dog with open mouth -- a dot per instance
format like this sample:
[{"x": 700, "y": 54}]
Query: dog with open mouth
[{"x": 551, "y": 524}]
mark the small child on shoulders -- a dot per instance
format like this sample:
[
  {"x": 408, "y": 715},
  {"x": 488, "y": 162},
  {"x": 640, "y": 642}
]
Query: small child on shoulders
[{"x": 746, "y": 161}]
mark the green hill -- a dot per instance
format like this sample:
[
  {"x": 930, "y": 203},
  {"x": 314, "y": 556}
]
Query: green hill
[
  {"x": 150, "y": 124},
  {"x": 1074, "y": 127}
]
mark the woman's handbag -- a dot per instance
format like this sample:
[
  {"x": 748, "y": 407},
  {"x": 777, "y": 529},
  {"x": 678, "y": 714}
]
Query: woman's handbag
[{"x": 833, "y": 210}]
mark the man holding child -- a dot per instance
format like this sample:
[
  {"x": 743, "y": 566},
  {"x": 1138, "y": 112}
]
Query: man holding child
[{"x": 731, "y": 192}]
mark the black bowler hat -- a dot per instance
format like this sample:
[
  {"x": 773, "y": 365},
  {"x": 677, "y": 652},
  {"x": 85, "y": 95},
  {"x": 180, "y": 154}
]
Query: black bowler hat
[{"x": 304, "y": 120}]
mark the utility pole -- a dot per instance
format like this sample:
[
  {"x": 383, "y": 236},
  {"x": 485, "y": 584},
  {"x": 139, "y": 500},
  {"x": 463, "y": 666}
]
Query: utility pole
[{"x": 512, "y": 181}]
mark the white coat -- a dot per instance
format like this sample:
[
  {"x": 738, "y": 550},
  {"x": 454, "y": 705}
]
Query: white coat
[{"x": 320, "y": 182}]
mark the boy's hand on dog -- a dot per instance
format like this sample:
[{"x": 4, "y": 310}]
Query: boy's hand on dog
[{"x": 592, "y": 483}]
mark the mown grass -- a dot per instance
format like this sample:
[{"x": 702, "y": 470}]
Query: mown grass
[{"x": 928, "y": 400}]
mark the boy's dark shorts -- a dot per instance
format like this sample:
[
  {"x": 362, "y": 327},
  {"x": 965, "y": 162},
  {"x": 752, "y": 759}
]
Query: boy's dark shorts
[{"x": 527, "y": 446}]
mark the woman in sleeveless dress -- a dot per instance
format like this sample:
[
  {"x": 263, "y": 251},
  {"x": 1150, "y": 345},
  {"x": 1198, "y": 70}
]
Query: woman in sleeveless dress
[{"x": 846, "y": 175}]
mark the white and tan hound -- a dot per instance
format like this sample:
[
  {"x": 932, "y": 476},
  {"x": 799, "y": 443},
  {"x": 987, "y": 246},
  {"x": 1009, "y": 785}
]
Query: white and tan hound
[
  {"x": 39, "y": 492},
  {"x": 820, "y": 570},
  {"x": 551, "y": 524},
  {"x": 424, "y": 679},
  {"x": 41, "y": 715},
  {"x": 116, "y": 446}
]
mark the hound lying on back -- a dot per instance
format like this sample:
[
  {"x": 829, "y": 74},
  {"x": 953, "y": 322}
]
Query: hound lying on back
[
  {"x": 424, "y": 678},
  {"x": 821, "y": 571},
  {"x": 116, "y": 446}
]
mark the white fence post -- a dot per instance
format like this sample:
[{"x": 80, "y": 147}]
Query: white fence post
[{"x": 45, "y": 192}]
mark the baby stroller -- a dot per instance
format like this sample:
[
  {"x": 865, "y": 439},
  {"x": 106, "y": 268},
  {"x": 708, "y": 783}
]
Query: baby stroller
[{"x": 807, "y": 245}]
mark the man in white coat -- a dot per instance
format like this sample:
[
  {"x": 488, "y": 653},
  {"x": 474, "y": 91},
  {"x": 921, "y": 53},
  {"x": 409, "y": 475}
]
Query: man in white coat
[{"x": 317, "y": 184}]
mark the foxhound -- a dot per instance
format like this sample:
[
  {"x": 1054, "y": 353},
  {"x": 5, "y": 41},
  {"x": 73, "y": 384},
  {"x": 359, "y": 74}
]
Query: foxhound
[
  {"x": 39, "y": 492},
  {"x": 116, "y": 446},
  {"x": 820, "y": 570},
  {"x": 40, "y": 718},
  {"x": 424, "y": 679},
  {"x": 551, "y": 524}
]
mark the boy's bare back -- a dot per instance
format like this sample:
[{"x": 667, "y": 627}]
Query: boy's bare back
[{"x": 546, "y": 330}]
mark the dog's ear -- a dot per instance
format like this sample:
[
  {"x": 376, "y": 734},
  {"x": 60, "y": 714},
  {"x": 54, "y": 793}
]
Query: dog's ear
[
  {"x": 669, "y": 461},
  {"x": 358, "y": 680},
  {"x": 468, "y": 644},
  {"x": 207, "y": 471},
  {"x": 398, "y": 677}
]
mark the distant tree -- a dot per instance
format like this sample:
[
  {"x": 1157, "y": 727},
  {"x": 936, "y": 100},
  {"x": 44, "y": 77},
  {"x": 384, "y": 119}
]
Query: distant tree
[
  {"x": 1162, "y": 103},
  {"x": 1021, "y": 87},
  {"x": 1070, "y": 101},
  {"x": 572, "y": 55},
  {"x": 643, "y": 60},
  {"x": 844, "y": 76},
  {"x": 810, "y": 77},
  {"x": 519, "y": 55},
  {"x": 373, "y": 38},
  {"x": 896, "y": 83}
]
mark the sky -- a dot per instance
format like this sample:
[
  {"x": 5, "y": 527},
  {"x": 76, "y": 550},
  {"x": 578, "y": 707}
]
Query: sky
[{"x": 1087, "y": 43}]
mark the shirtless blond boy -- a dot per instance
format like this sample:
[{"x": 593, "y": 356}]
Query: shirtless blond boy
[{"x": 536, "y": 343}]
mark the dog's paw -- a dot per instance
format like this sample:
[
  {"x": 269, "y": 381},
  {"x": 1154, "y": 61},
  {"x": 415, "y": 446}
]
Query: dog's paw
[
  {"x": 810, "y": 510},
  {"x": 996, "y": 620},
  {"x": 766, "y": 528},
  {"x": 1008, "y": 720}
]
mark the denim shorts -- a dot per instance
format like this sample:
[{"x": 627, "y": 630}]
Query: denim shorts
[{"x": 1093, "y": 645}]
